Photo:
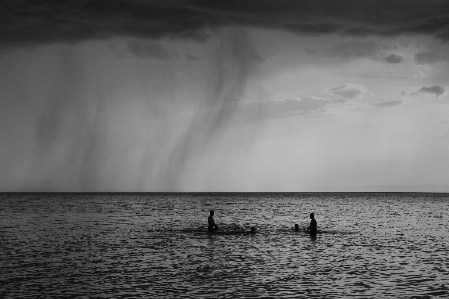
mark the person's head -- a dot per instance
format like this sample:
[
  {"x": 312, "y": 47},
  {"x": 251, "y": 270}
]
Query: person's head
[
  {"x": 312, "y": 216},
  {"x": 296, "y": 226},
  {"x": 253, "y": 230},
  {"x": 212, "y": 212}
]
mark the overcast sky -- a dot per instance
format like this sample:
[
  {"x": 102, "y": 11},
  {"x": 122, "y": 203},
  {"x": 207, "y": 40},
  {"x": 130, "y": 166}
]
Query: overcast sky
[{"x": 144, "y": 95}]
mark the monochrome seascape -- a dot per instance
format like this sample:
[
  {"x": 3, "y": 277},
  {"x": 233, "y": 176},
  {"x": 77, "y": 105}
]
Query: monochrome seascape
[{"x": 156, "y": 245}]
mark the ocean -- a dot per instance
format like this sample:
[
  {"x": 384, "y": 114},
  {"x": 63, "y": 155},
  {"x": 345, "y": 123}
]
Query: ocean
[{"x": 156, "y": 245}]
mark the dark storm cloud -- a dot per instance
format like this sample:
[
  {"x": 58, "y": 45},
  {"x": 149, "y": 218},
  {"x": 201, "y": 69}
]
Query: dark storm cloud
[
  {"x": 436, "y": 90},
  {"x": 26, "y": 22},
  {"x": 389, "y": 104},
  {"x": 393, "y": 58},
  {"x": 428, "y": 57}
]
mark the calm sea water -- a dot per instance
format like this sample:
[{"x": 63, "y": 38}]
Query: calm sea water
[{"x": 157, "y": 246}]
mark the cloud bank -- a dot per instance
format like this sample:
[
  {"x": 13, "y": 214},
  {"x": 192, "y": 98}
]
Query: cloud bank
[
  {"x": 435, "y": 90},
  {"x": 294, "y": 106},
  {"x": 393, "y": 58},
  {"x": 428, "y": 57},
  {"x": 39, "y": 22},
  {"x": 350, "y": 91},
  {"x": 389, "y": 104},
  {"x": 353, "y": 49}
]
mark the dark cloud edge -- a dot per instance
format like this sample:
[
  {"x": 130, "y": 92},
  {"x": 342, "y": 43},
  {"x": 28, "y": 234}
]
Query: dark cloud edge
[
  {"x": 26, "y": 23},
  {"x": 389, "y": 104},
  {"x": 435, "y": 90}
]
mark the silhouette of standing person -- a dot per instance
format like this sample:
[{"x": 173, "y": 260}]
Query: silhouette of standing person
[
  {"x": 212, "y": 226},
  {"x": 313, "y": 225}
]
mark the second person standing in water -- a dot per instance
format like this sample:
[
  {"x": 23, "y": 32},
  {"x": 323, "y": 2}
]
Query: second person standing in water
[
  {"x": 313, "y": 225},
  {"x": 211, "y": 223}
]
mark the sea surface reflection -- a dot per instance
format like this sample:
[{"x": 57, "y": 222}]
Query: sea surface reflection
[{"x": 387, "y": 245}]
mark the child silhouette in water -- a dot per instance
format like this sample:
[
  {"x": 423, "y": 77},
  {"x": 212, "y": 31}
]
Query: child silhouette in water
[
  {"x": 313, "y": 225},
  {"x": 212, "y": 226}
]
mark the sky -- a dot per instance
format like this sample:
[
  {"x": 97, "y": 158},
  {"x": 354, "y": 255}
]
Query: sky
[{"x": 142, "y": 95}]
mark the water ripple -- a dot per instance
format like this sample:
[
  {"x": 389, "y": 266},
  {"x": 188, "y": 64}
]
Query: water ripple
[{"x": 157, "y": 246}]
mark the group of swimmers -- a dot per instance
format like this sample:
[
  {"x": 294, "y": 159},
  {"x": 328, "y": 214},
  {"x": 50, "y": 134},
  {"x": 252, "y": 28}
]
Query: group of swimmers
[{"x": 312, "y": 229}]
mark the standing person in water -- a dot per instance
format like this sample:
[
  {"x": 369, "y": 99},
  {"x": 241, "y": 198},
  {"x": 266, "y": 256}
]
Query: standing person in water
[
  {"x": 313, "y": 226},
  {"x": 212, "y": 226}
]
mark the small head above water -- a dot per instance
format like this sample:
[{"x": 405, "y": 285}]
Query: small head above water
[
  {"x": 253, "y": 230},
  {"x": 296, "y": 226},
  {"x": 212, "y": 212},
  {"x": 312, "y": 216}
]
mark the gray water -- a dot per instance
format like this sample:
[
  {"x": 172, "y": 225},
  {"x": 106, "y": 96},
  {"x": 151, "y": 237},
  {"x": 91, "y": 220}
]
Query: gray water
[{"x": 157, "y": 246}]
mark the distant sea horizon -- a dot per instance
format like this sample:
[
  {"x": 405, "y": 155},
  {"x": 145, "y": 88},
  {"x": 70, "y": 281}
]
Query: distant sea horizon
[{"x": 421, "y": 188}]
